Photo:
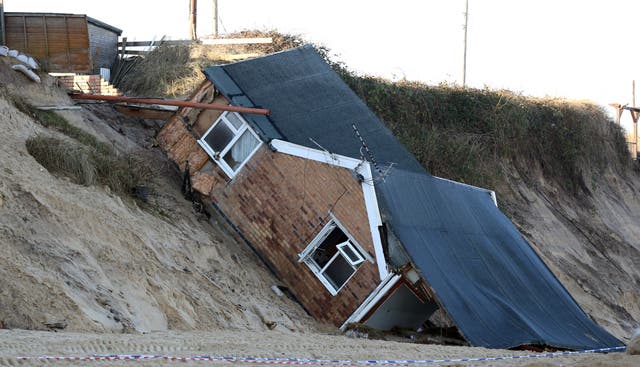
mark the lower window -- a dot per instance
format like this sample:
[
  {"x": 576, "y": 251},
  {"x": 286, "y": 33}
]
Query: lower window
[{"x": 333, "y": 257}]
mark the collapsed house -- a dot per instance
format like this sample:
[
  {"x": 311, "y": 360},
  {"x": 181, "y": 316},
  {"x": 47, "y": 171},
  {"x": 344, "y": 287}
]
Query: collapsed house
[{"x": 351, "y": 222}]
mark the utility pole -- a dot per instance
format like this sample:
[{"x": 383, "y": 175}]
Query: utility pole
[
  {"x": 215, "y": 19},
  {"x": 193, "y": 18},
  {"x": 464, "y": 63},
  {"x": 634, "y": 116}
]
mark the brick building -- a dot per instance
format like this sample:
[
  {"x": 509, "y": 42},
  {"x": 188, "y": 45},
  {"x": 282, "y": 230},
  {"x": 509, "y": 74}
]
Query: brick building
[
  {"x": 103, "y": 43},
  {"x": 351, "y": 222}
]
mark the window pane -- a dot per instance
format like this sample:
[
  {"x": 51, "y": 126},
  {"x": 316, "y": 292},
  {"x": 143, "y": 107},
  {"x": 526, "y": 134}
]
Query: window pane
[
  {"x": 235, "y": 120},
  {"x": 327, "y": 248},
  {"x": 351, "y": 253},
  {"x": 219, "y": 137},
  {"x": 241, "y": 150},
  {"x": 338, "y": 272}
]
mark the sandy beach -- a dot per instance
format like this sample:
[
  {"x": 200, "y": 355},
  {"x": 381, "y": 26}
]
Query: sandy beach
[{"x": 265, "y": 344}]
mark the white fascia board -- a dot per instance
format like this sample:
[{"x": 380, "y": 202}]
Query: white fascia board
[
  {"x": 381, "y": 290},
  {"x": 315, "y": 154},
  {"x": 368, "y": 190},
  {"x": 490, "y": 192},
  {"x": 375, "y": 220}
]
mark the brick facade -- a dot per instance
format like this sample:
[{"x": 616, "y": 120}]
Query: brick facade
[
  {"x": 279, "y": 203},
  {"x": 92, "y": 84}
]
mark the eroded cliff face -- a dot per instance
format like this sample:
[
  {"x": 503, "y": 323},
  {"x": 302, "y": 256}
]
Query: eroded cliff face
[
  {"x": 590, "y": 240},
  {"x": 84, "y": 258}
]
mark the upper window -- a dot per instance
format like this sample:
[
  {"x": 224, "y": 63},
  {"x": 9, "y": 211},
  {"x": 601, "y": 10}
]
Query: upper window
[
  {"x": 230, "y": 142},
  {"x": 333, "y": 257}
]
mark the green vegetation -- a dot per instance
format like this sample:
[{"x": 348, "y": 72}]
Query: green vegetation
[{"x": 468, "y": 134}]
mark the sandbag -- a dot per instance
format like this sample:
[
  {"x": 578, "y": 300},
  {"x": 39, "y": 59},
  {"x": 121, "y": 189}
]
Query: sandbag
[
  {"x": 4, "y": 50},
  {"x": 26, "y": 71},
  {"x": 28, "y": 60}
]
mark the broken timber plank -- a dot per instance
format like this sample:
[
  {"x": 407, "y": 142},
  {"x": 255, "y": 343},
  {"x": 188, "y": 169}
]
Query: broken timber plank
[{"x": 57, "y": 108}]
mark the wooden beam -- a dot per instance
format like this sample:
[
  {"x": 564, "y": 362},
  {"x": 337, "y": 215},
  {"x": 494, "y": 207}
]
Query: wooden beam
[
  {"x": 152, "y": 43},
  {"x": 236, "y": 41},
  {"x": 148, "y": 113},
  {"x": 166, "y": 102}
]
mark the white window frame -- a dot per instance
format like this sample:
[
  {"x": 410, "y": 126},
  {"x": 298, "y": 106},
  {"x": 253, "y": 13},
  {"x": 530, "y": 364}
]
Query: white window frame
[
  {"x": 306, "y": 255},
  {"x": 218, "y": 156}
]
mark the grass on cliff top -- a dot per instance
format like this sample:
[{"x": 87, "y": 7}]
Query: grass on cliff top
[{"x": 467, "y": 134}]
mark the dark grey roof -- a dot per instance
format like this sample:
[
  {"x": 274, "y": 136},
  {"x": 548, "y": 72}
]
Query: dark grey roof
[
  {"x": 489, "y": 279},
  {"x": 104, "y": 25},
  {"x": 307, "y": 100},
  {"x": 94, "y": 21},
  {"x": 497, "y": 290}
]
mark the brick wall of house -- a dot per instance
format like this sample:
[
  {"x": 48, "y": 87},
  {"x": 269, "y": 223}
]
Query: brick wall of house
[
  {"x": 279, "y": 203},
  {"x": 103, "y": 45},
  {"x": 92, "y": 84}
]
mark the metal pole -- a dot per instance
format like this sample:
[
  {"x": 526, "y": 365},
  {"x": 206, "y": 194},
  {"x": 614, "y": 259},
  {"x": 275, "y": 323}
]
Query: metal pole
[
  {"x": 193, "y": 19},
  {"x": 168, "y": 102},
  {"x": 2, "y": 36},
  {"x": 215, "y": 19},
  {"x": 464, "y": 65}
]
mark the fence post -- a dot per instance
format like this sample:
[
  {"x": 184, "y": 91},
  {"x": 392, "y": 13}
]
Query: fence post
[
  {"x": 123, "y": 49},
  {"x": 3, "y": 40}
]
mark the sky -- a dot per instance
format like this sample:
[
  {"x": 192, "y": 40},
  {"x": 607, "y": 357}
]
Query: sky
[{"x": 559, "y": 48}]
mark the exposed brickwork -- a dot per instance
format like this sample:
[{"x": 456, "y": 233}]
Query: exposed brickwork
[
  {"x": 279, "y": 203},
  {"x": 92, "y": 84}
]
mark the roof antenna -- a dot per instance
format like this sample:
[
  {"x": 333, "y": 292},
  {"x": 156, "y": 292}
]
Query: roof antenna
[
  {"x": 331, "y": 155},
  {"x": 366, "y": 149}
]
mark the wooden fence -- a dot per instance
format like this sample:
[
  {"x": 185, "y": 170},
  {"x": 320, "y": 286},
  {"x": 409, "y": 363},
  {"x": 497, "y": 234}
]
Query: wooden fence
[{"x": 135, "y": 48}]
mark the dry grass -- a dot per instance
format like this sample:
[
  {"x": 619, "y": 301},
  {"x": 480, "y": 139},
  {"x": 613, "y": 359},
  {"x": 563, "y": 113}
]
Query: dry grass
[
  {"x": 175, "y": 71},
  {"x": 83, "y": 158},
  {"x": 64, "y": 158},
  {"x": 87, "y": 166}
]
